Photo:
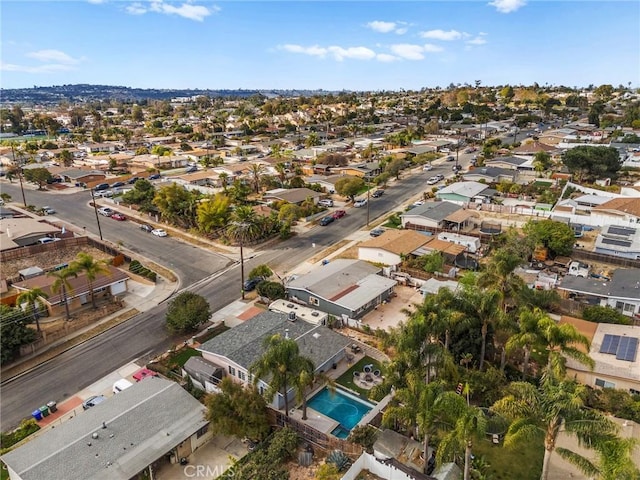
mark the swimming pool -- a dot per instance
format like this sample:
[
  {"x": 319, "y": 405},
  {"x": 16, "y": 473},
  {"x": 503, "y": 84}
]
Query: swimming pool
[{"x": 342, "y": 407}]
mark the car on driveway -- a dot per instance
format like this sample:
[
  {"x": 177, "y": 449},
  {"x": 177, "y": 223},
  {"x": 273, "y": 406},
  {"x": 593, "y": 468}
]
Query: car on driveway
[
  {"x": 147, "y": 228},
  {"x": 93, "y": 401},
  {"x": 252, "y": 283},
  {"x": 118, "y": 216},
  {"x": 377, "y": 193},
  {"x": 326, "y": 220},
  {"x": 360, "y": 203},
  {"x": 325, "y": 202},
  {"x": 376, "y": 232},
  {"x": 338, "y": 214},
  {"x": 159, "y": 232}
]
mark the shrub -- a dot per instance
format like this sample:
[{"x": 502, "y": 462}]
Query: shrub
[
  {"x": 136, "y": 267},
  {"x": 26, "y": 428},
  {"x": 599, "y": 314}
]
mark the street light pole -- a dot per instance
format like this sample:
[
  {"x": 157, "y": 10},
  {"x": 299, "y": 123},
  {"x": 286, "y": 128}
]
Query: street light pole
[
  {"x": 242, "y": 264},
  {"x": 95, "y": 209},
  {"x": 368, "y": 190},
  {"x": 19, "y": 164}
]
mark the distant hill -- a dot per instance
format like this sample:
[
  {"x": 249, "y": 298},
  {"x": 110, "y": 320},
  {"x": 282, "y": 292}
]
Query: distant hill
[{"x": 86, "y": 93}]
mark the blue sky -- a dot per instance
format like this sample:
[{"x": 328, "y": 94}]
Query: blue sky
[{"x": 333, "y": 45}]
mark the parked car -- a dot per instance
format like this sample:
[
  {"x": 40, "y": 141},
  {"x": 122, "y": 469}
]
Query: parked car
[
  {"x": 159, "y": 232},
  {"x": 93, "y": 401},
  {"x": 376, "y": 232},
  {"x": 440, "y": 177},
  {"x": 456, "y": 168},
  {"x": 450, "y": 158},
  {"x": 101, "y": 186},
  {"x": 133, "y": 180},
  {"x": 418, "y": 203},
  {"x": 106, "y": 211},
  {"x": 377, "y": 193},
  {"x": 48, "y": 210},
  {"x": 339, "y": 214},
  {"x": 251, "y": 283},
  {"x": 427, "y": 167},
  {"x": 433, "y": 180},
  {"x": 118, "y": 216},
  {"x": 155, "y": 176},
  {"x": 360, "y": 202},
  {"x": 325, "y": 202},
  {"x": 326, "y": 220},
  {"x": 117, "y": 184},
  {"x": 147, "y": 228},
  {"x": 191, "y": 169}
]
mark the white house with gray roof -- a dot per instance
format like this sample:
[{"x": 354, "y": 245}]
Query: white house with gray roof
[
  {"x": 116, "y": 439},
  {"x": 429, "y": 214},
  {"x": 341, "y": 288},
  {"x": 236, "y": 350}
]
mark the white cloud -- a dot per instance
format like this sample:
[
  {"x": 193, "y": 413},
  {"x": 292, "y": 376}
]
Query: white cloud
[
  {"x": 385, "y": 57},
  {"x": 47, "y": 68},
  {"x": 478, "y": 40},
  {"x": 428, "y": 47},
  {"x": 358, "y": 53},
  {"x": 186, "y": 10},
  {"x": 442, "y": 35},
  {"x": 507, "y": 6},
  {"x": 314, "y": 50},
  {"x": 382, "y": 27},
  {"x": 55, "y": 56},
  {"x": 408, "y": 51},
  {"x": 401, "y": 31}
]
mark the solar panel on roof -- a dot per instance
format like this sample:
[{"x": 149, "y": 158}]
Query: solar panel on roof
[
  {"x": 613, "y": 241},
  {"x": 610, "y": 344},
  {"x": 623, "y": 231},
  {"x": 627, "y": 349}
]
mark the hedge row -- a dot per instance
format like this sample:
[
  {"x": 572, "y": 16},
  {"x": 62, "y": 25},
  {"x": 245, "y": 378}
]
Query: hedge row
[{"x": 136, "y": 267}]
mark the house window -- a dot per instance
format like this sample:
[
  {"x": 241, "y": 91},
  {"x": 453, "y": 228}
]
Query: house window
[
  {"x": 232, "y": 371},
  {"x": 242, "y": 376},
  {"x": 314, "y": 301},
  {"x": 604, "y": 384},
  {"x": 250, "y": 378},
  {"x": 202, "y": 431},
  {"x": 626, "y": 308},
  {"x": 633, "y": 391}
]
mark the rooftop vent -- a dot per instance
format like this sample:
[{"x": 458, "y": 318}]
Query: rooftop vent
[
  {"x": 291, "y": 317},
  {"x": 104, "y": 424},
  {"x": 289, "y": 305},
  {"x": 315, "y": 314},
  {"x": 94, "y": 435}
]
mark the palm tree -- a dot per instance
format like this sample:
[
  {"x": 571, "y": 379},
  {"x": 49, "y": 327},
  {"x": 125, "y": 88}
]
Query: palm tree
[
  {"x": 281, "y": 169},
  {"x": 61, "y": 284},
  {"x": 542, "y": 411},
  {"x": 561, "y": 341},
  {"x": 256, "y": 172},
  {"x": 33, "y": 299},
  {"x": 280, "y": 362},
  {"x": 224, "y": 180},
  {"x": 305, "y": 377},
  {"x": 85, "y": 263},
  {"x": 499, "y": 274},
  {"x": 466, "y": 424},
  {"x": 405, "y": 406}
]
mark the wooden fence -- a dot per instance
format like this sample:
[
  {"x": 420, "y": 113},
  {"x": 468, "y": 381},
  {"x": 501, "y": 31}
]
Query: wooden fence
[{"x": 588, "y": 256}]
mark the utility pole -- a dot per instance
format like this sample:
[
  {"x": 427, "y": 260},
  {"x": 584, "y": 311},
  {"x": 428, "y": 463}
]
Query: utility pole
[
  {"x": 95, "y": 209},
  {"x": 368, "y": 190},
  {"x": 19, "y": 165}
]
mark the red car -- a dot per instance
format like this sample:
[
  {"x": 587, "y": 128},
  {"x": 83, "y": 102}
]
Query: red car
[
  {"x": 339, "y": 214},
  {"x": 118, "y": 216}
]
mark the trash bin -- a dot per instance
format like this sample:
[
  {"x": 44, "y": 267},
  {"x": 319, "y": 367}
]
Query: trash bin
[
  {"x": 44, "y": 410},
  {"x": 53, "y": 406},
  {"x": 37, "y": 415}
]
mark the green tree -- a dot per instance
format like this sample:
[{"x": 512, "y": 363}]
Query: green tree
[
  {"x": 507, "y": 93},
  {"x": 541, "y": 412},
  {"x": 33, "y": 299},
  {"x": 558, "y": 237},
  {"x": 186, "y": 312},
  {"x": 256, "y": 171},
  {"x": 499, "y": 273},
  {"x": 289, "y": 212},
  {"x": 39, "y": 176},
  {"x": 142, "y": 194},
  {"x": 349, "y": 186},
  {"x": 244, "y": 225},
  {"x": 177, "y": 205},
  {"x": 271, "y": 290},
  {"x": 394, "y": 167},
  {"x": 66, "y": 158},
  {"x": 562, "y": 340},
  {"x": 91, "y": 268},
  {"x": 541, "y": 161},
  {"x": 588, "y": 162},
  {"x": 261, "y": 270},
  {"x": 279, "y": 363},
  {"x": 13, "y": 332},
  {"x": 238, "y": 411},
  {"x": 213, "y": 213},
  {"x": 433, "y": 262},
  {"x": 527, "y": 337},
  {"x": 599, "y": 314},
  {"x": 61, "y": 284}
]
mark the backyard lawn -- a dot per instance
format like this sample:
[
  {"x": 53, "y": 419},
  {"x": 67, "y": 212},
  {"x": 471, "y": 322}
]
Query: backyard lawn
[
  {"x": 346, "y": 379},
  {"x": 523, "y": 463}
]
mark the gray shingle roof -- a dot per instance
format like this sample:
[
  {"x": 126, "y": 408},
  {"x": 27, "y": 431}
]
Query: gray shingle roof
[
  {"x": 142, "y": 422},
  {"x": 436, "y": 211},
  {"x": 625, "y": 283},
  {"x": 243, "y": 344},
  {"x": 333, "y": 278}
]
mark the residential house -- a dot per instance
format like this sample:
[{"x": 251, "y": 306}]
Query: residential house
[
  {"x": 449, "y": 251},
  {"x": 20, "y": 231},
  {"x": 83, "y": 176},
  {"x": 466, "y": 192},
  {"x": 420, "y": 149},
  {"x": 554, "y": 137},
  {"x": 390, "y": 247},
  {"x": 510, "y": 163},
  {"x": 490, "y": 175},
  {"x": 614, "y": 349},
  {"x": 307, "y": 314},
  {"x": 99, "y": 147},
  {"x": 204, "y": 374},
  {"x": 129, "y": 433},
  {"x": 343, "y": 288},
  {"x": 236, "y": 350},
  {"x": 622, "y": 208},
  {"x": 292, "y": 195},
  {"x": 166, "y": 140},
  {"x": 156, "y": 162},
  {"x": 619, "y": 241},
  {"x": 430, "y": 215},
  {"x": 367, "y": 171},
  {"x": 105, "y": 285},
  {"x": 328, "y": 183},
  {"x": 622, "y": 292},
  {"x": 530, "y": 149}
]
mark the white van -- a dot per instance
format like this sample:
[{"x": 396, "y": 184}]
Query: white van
[{"x": 121, "y": 385}]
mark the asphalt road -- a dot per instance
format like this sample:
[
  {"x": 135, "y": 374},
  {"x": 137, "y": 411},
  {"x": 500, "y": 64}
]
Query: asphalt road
[{"x": 144, "y": 336}]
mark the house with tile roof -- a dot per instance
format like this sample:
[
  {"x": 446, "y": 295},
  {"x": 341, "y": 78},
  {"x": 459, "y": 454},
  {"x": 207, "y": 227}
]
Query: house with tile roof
[
  {"x": 118, "y": 439},
  {"x": 236, "y": 350},
  {"x": 622, "y": 208},
  {"x": 390, "y": 247},
  {"x": 343, "y": 288}
]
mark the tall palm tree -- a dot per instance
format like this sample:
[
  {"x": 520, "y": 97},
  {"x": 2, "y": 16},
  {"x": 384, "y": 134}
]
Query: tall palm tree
[
  {"x": 61, "y": 284},
  {"x": 499, "y": 275},
  {"x": 304, "y": 378},
  {"x": 561, "y": 341},
  {"x": 85, "y": 263},
  {"x": 224, "y": 180},
  {"x": 466, "y": 423},
  {"x": 281, "y": 169},
  {"x": 543, "y": 411},
  {"x": 279, "y": 363},
  {"x": 528, "y": 335},
  {"x": 33, "y": 299},
  {"x": 256, "y": 170}
]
